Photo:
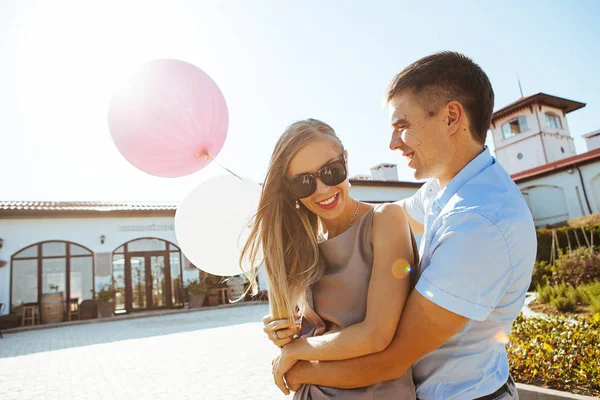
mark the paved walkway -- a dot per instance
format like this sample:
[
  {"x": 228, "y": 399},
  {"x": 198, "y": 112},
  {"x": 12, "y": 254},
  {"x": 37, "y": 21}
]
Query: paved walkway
[{"x": 216, "y": 354}]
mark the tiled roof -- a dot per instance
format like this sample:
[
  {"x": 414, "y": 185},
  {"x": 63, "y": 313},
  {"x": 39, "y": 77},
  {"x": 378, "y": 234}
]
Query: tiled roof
[
  {"x": 540, "y": 98},
  {"x": 556, "y": 166},
  {"x": 373, "y": 182},
  {"x": 87, "y": 206},
  {"x": 592, "y": 134},
  {"x": 94, "y": 208}
]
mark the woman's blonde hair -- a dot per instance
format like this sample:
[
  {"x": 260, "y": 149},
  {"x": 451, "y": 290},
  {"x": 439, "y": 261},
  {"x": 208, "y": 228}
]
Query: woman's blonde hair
[{"x": 285, "y": 235}]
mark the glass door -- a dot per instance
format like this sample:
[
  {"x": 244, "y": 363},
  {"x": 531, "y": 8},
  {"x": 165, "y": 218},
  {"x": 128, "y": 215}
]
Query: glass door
[
  {"x": 149, "y": 281},
  {"x": 138, "y": 282},
  {"x": 156, "y": 281}
]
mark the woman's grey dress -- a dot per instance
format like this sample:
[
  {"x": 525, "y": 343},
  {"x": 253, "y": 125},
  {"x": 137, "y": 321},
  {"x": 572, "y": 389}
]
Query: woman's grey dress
[{"x": 339, "y": 299}]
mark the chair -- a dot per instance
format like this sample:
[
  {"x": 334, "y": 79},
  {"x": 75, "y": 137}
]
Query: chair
[
  {"x": 223, "y": 295},
  {"x": 31, "y": 313},
  {"x": 73, "y": 309}
]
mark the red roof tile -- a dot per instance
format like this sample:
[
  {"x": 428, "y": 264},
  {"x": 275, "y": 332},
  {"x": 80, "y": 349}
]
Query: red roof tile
[
  {"x": 540, "y": 98},
  {"x": 372, "y": 182},
  {"x": 90, "y": 206},
  {"x": 556, "y": 166}
]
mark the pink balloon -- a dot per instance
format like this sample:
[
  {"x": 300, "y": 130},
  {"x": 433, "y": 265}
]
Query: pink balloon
[{"x": 170, "y": 120}]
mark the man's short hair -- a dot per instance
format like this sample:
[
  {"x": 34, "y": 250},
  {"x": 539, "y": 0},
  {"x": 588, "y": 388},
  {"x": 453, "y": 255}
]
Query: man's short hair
[{"x": 443, "y": 77}]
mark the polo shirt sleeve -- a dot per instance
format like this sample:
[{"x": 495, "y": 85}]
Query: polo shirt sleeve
[
  {"x": 415, "y": 204},
  {"x": 470, "y": 268}
]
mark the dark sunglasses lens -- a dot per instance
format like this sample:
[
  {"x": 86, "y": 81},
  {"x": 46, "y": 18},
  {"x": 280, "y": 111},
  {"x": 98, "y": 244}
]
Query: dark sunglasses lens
[
  {"x": 303, "y": 186},
  {"x": 333, "y": 174}
]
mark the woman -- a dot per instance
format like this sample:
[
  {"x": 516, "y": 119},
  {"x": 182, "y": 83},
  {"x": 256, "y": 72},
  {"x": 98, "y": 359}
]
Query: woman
[{"x": 343, "y": 265}]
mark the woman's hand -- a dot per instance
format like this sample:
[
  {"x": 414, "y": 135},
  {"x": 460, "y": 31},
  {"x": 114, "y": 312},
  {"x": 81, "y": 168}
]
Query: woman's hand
[
  {"x": 280, "y": 331},
  {"x": 281, "y": 365}
]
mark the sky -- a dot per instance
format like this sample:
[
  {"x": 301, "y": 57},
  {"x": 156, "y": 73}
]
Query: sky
[{"x": 275, "y": 62}]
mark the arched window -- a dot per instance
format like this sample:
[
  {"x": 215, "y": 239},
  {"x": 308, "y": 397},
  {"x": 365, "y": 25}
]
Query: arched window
[
  {"x": 514, "y": 126},
  {"x": 51, "y": 267},
  {"x": 148, "y": 274},
  {"x": 553, "y": 120}
]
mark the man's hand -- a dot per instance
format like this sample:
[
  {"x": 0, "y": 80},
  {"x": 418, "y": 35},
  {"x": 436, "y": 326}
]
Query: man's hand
[
  {"x": 281, "y": 365},
  {"x": 280, "y": 332}
]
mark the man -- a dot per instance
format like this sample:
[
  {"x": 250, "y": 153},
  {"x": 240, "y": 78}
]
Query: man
[{"x": 477, "y": 251}]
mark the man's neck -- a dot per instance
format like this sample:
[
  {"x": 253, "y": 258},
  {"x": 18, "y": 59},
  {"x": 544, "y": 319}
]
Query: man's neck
[{"x": 459, "y": 161}]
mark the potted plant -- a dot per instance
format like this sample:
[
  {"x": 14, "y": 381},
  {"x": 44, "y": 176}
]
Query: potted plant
[
  {"x": 106, "y": 300},
  {"x": 197, "y": 292}
]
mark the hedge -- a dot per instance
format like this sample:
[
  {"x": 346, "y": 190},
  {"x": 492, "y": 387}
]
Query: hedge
[{"x": 575, "y": 236}]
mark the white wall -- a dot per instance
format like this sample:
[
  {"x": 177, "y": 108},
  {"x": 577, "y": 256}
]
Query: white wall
[
  {"x": 557, "y": 197},
  {"x": 383, "y": 193},
  {"x": 20, "y": 233},
  {"x": 593, "y": 142},
  {"x": 558, "y": 112},
  {"x": 528, "y": 144},
  {"x": 553, "y": 144},
  {"x": 530, "y": 148},
  {"x": 380, "y": 193},
  {"x": 548, "y": 204},
  {"x": 591, "y": 177},
  {"x": 384, "y": 173},
  {"x": 532, "y": 125}
]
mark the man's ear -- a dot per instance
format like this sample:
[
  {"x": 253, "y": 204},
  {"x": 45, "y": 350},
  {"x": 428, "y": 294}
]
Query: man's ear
[{"x": 455, "y": 114}]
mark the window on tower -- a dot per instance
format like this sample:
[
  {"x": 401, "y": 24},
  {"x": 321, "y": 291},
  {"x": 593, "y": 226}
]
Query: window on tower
[
  {"x": 553, "y": 120},
  {"x": 514, "y": 126}
]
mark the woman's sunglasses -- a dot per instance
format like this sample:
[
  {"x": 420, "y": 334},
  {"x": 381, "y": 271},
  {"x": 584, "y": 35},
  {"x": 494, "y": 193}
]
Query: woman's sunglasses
[{"x": 331, "y": 174}]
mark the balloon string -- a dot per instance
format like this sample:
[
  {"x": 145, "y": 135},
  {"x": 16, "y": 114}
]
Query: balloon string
[{"x": 209, "y": 158}]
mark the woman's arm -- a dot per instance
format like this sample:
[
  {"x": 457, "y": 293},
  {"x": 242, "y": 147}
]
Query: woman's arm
[{"x": 388, "y": 290}]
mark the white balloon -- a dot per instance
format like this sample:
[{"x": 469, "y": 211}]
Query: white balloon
[{"x": 212, "y": 223}]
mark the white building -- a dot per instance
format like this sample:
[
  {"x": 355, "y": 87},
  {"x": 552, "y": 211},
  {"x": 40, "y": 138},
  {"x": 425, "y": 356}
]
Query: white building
[
  {"x": 78, "y": 247},
  {"x": 533, "y": 131},
  {"x": 533, "y": 143},
  {"x": 561, "y": 190},
  {"x": 384, "y": 172},
  {"x": 592, "y": 140}
]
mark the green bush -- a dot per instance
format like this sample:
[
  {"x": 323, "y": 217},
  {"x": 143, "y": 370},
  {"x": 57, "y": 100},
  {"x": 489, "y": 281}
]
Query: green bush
[
  {"x": 559, "y": 353},
  {"x": 576, "y": 267},
  {"x": 563, "y": 304},
  {"x": 195, "y": 287},
  {"x": 545, "y": 294},
  {"x": 595, "y": 305},
  {"x": 542, "y": 272},
  {"x": 592, "y": 294},
  {"x": 564, "y": 297}
]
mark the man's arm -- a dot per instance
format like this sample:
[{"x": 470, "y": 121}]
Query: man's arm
[
  {"x": 415, "y": 205},
  {"x": 416, "y": 227},
  {"x": 424, "y": 326},
  {"x": 465, "y": 280}
]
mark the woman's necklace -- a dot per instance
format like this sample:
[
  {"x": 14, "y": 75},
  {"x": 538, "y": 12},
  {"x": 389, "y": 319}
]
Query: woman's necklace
[
  {"x": 322, "y": 238},
  {"x": 353, "y": 216}
]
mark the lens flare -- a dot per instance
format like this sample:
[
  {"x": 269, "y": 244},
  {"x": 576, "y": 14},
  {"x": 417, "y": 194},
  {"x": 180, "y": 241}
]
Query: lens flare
[
  {"x": 501, "y": 337},
  {"x": 400, "y": 269}
]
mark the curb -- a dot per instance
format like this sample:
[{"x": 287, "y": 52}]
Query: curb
[
  {"x": 530, "y": 392},
  {"x": 126, "y": 317}
]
